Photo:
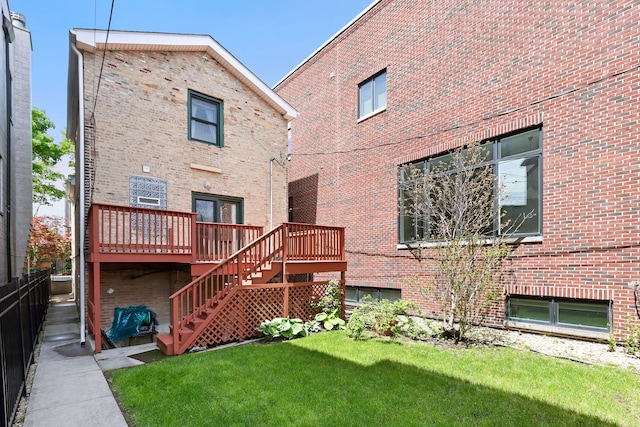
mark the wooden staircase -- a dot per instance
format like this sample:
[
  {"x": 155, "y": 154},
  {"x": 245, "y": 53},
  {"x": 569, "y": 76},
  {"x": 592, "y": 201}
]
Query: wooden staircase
[{"x": 215, "y": 308}]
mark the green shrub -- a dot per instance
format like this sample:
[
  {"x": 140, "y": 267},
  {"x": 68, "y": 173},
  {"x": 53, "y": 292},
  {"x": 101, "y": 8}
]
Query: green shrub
[
  {"x": 333, "y": 298},
  {"x": 632, "y": 341},
  {"x": 287, "y": 328},
  {"x": 381, "y": 316}
]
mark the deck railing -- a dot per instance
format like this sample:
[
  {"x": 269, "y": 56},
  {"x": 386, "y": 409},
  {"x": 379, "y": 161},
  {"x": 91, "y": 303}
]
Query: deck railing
[
  {"x": 288, "y": 242},
  {"x": 128, "y": 230},
  {"x": 132, "y": 230},
  {"x": 307, "y": 242}
]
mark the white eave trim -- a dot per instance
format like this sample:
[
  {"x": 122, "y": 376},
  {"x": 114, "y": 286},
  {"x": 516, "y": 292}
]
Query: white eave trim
[
  {"x": 332, "y": 38},
  {"x": 90, "y": 40}
]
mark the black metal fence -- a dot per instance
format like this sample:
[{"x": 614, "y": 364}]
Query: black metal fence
[{"x": 23, "y": 304}]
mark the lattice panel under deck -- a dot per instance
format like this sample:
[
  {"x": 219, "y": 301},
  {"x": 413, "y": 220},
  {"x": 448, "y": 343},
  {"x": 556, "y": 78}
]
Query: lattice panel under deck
[
  {"x": 300, "y": 301},
  {"x": 244, "y": 311},
  {"x": 241, "y": 315}
]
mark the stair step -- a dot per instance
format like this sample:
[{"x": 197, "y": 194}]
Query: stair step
[
  {"x": 185, "y": 332},
  {"x": 164, "y": 342}
]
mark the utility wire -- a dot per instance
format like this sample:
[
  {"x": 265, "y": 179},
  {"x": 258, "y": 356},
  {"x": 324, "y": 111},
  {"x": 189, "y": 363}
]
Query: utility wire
[
  {"x": 478, "y": 121},
  {"x": 104, "y": 53}
]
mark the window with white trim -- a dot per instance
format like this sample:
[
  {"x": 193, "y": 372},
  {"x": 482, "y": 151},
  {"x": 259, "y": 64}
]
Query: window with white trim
[{"x": 372, "y": 94}]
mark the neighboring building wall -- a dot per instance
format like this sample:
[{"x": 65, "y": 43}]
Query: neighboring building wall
[
  {"x": 458, "y": 72},
  {"x": 5, "y": 134},
  {"x": 141, "y": 120},
  {"x": 15, "y": 144},
  {"x": 22, "y": 205}
]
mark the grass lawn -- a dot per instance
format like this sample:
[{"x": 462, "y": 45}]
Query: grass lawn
[{"x": 328, "y": 379}]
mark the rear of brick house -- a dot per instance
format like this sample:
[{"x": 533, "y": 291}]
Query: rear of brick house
[
  {"x": 181, "y": 154},
  {"x": 553, "y": 89}
]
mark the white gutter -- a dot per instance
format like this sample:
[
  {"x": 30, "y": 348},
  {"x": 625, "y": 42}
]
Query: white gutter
[
  {"x": 80, "y": 186},
  {"x": 271, "y": 193}
]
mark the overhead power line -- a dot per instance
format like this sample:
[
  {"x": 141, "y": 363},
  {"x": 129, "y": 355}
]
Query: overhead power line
[
  {"x": 475, "y": 122},
  {"x": 104, "y": 53}
]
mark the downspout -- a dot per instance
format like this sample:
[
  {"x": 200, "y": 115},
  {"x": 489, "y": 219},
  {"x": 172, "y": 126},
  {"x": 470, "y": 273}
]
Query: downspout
[
  {"x": 271, "y": 193},
  {"x": 80, "y": 185}
]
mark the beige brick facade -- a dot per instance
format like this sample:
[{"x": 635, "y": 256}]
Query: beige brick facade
[
  {"x": 135, "y": 106},
  {"x": 141, "y": 120}
]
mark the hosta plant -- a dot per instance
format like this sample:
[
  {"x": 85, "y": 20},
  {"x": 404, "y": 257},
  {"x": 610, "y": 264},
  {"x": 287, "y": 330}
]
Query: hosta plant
[
  {"x": 331, "y": 320},
  {"x": 287, "y": 328}
]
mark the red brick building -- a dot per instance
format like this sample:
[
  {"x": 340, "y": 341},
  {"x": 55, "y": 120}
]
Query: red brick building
[{"x": 555, "y": 90}]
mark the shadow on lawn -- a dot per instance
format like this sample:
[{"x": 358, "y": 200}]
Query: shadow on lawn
[
  {"x": 284, "y": 384},
  {"x": 401, "y": 394}
]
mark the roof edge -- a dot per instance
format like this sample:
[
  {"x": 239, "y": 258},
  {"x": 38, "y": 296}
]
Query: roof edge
[
  {"x": 90, "y": 39},
  {"x": 332, "y": 38}
]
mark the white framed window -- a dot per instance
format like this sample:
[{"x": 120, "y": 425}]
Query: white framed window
[
  {"x": 372, "y": 94},
  {"x": 149, "y": 201}
]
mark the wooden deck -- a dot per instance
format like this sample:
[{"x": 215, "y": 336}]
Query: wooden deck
[
  {"x": 129, "y": 234},
  {"x": 227, "y": 262}
]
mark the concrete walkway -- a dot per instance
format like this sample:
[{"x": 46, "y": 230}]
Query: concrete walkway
[{"x": 69, "y": 388}]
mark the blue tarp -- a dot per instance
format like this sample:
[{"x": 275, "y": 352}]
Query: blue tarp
[{"x": 129, "y": 322}]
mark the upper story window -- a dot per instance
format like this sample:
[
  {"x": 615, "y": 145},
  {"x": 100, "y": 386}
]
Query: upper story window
[
  {"x": 205, "y": 119},
  {"x": 514, "y": 160},
  {"x": 372, "y": 94}
]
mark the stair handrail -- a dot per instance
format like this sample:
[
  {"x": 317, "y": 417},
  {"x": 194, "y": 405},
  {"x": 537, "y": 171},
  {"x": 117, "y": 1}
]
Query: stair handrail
[{"x": 231, "y": 272}]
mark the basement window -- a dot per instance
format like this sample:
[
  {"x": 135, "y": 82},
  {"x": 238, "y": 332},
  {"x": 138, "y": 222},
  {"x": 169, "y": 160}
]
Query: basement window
[
  {"x": 570, "y": 313},
  {"x": 355, "y": 294}
]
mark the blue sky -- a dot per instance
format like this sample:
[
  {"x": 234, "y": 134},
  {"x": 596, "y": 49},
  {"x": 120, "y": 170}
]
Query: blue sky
[{"x": 270, "y": 37}]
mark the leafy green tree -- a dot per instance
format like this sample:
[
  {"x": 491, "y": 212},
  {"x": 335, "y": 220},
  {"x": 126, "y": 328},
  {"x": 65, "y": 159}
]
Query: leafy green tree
[{"x": 46, "y": 155}]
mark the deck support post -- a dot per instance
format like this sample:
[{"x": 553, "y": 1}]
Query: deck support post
[
  {"x": 95, "y": 283},
  {"x": 343, "y": 292}
]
